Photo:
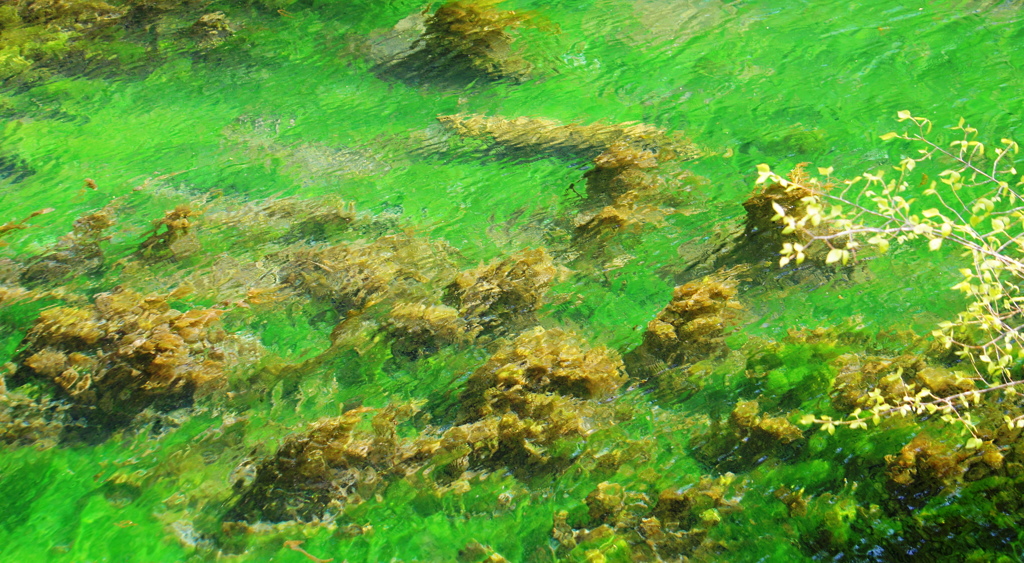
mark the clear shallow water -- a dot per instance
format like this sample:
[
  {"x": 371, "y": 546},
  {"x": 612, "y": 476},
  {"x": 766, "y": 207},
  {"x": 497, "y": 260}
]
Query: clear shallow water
[{"x": 291, "y": 109}]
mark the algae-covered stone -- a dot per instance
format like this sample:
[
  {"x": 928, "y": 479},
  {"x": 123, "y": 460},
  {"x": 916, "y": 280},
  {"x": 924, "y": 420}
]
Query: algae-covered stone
[
  {"x": 924, "y": 468},
  {"x": 419, "y": 329},
  {"x": 75, "y": 254},
  {"x": 504, "y": 295},
  {"x": 527, "y": 411},
  {"x": 124, "y": 353},
  {"x": 689, "y": 329},
  {"x": 671, "y": 527},
  {"x": 331, "y": 465},
  {"x": 462, "y": 41},
  {"x": 354, "y": 276},
  {"x": 891, "y": 378},
  {"x": 25, "y": 421},
  {"x": 541, "y": 361},
  {"x": 626, "y": 145},
  {"x": 748, "y": 439}
]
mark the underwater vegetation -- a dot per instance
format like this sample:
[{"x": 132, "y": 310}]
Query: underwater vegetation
[
  {"x": 343, "y": 289},
  {"x": 630, "y": 525},
  {"x": 122, "y": 354},
  {"x": 462, "y": 41},
  {"x": 491, "y": 300},
  {"x": 636, "y": 144},
  {"x": 519, "y": 412},
  {"x": 43, "y": 38},
  {"x": 624, "y": 189},
  {"x": 77, "y": 253}
]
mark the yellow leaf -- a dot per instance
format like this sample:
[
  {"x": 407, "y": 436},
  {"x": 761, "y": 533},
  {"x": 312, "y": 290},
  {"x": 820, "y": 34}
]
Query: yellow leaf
[
  {"x": 934, "y": 244},
  {"x": 834, "y": 255},
  {"x": 888, "y": 136},
  {"x": 903, "y": 114},
  {"x": 825, "y": 171}
]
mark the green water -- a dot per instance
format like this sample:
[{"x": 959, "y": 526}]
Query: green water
[{"x": 289, "y": 108}]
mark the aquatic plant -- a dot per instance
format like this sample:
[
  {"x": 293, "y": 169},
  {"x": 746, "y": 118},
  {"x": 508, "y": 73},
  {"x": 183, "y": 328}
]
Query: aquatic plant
[
  {"x": 76, "y": 253},
  {"x": 503, "y": 296},
  {"x": 689, "y": 329},
  {"x": 626, "y": 145},
  {"x": 462, "y": 41},
  {"x": 354, "y": 276},
  {"x": 122, "y": 354},
  {"x": 172, "y": 236},
  {"x": 631, "y": 526},
  {"x": 11, "y": 227}
]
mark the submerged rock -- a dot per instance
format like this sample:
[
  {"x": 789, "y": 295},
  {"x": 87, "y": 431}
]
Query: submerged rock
[
  {"x": 924, "y": 468},
  {"x": 123, "y": 354},
  {"x": 624, "y": 145},
  {"x": 331, "y": 465},
  {"x": 354, "y": 276},
  {"x": 503, "y": 296},
  {"x": 211, "y": 30},
  {"x": 419, "y": 329},
  {"x": 541, "y": 361},
  {"x": 691, "y": 328},
  {"x": 526, "y": 411},
  {"x": 25, "y": 421},
  {"x": 757, "y": 243},
  {"x": 622, "y": 189},
  {"x": 462, "y": 41},
  {"x": 672, "y": 527},
  {"x": 891, "y": 379},
  {"x": 748, "y": 439},
  {"x": 496, "y": 299}
]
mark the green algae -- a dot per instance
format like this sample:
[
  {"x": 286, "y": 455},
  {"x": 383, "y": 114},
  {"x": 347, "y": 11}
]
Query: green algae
[{"x": 380, "y": 263}]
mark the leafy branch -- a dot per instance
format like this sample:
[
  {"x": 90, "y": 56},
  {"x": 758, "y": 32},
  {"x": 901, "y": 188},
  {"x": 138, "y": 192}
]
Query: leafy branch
[{"x": 974, "y": 204}]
